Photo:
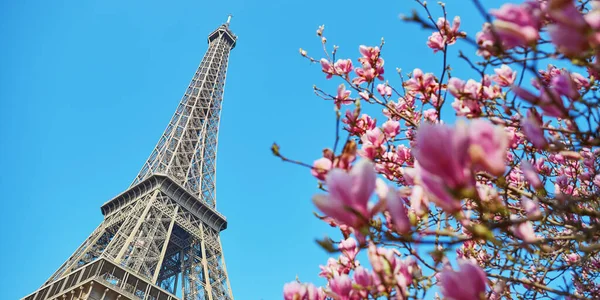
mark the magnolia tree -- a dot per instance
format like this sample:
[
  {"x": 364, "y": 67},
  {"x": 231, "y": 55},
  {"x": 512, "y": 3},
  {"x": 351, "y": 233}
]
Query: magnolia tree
[{"x": 502, "y": 201}]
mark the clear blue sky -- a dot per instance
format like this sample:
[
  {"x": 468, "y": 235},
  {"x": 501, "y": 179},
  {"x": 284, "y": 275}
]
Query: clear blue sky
[{"x": 87, "y": 87}]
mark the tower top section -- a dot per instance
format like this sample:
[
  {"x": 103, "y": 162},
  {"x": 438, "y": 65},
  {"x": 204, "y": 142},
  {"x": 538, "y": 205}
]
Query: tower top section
[
  {"x": 187, "y": 150},
  {"x": 225, "y": 32}
]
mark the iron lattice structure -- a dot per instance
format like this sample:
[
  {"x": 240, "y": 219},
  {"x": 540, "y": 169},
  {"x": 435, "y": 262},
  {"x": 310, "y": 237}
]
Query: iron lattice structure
[{"x": 159, "y": 239}]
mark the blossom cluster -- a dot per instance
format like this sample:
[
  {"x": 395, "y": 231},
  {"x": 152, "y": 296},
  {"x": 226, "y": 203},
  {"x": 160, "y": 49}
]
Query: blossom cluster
[{"x": 512, "y": 188}]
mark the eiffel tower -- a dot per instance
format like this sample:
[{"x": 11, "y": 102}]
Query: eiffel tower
[{"x": 159, "y": 239}]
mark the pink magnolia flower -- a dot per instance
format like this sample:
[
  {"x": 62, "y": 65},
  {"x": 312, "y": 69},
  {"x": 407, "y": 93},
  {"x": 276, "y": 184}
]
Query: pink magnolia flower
[
  {"x": 363, "y": 278},
  {"x": 372, "y": 143},
  {"x": 294, "y": 291},
  {"x": 518, "y": 25},
  {"x": 372, "y": 65},
  {"x": 467, "y": 107},
  {"x": 343, "y": 96},
  {"x": 369, "y": 53},
  {"x": 468, "y": 283},
  {"x": 349, "y": 194},
  {"x": 565, "y": 85},
  {"x": 451, "y": 32},
  {"x": 332, "y": 267},
  {"x": 485, "y": 41},
  {"x": 384, "y": 90},
  {"x": 431, "y": 115},
  {"x": 418, "y": 200},
  {"x": 314, "y": 293},
  {"x": 321, "y": 167},
  {"x": 534, "y": 133},
  {"x": 565, "y": 12},
  {"x": 447, "y": 155},
  {"x": 365, "y": 95},
  {"x": 524, "y": 231},
  {"x": 365, "y": 74},
  {"x": 435, "y": 42},
  {"x": 327, "y": 68},
  {"x": 396, "y": 208},
  {"x": 391, "y": 128},
  {"x": 349, "y": 248},
  {"x": 341, "y": 286},
  {"x": 456, "y": 87},
  {"x": 298, "y": 291},
  {"x": 446, "y": 35},
  {"x": 438, "y": 193},
  {"x": 531, "y": 175},
  {"x": 388, "y": 269},
  {"x": 579, "y": 80},
  {"x": 471, "y": 93},
  {"x": 549, "y": 101},
  {"x": 569, "y": 29},
  {"x": 358, "y": 126},
  {"x": 567, "y": 41},
  {"x": 443, "y": 151},
  {"x": 597, "y": 180},
  {"x": 420, "y": 82},
  {"x": 531, "y": 207},
  {"x": 572, "y": 258},
  {"x": 505, "y": 76},
  {"x": 343, "y": 66},
  {"x": 488, "y": 146}
]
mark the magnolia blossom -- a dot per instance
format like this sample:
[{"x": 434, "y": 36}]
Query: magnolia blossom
[
  {"x": 446, "y": 34},
  {"x": 389, "y": 270},
  {"x": 485, "y": 41},
  {"x": 524, "y": 230},
  {"x": 372, "y": 65},
  {"x": 364, "y": 279},
  {"x": 349, "y": 247},
  {"x": 531, "y": 175},
  {"x": 343, "y": 96},
  {"x": 431, "y": 115},
  {"x": 533, "y": 132},
  {"x": 419, "y": 201},
  {"x": 372, "y": 143},
  {"x": 549, "y": 101},
  {"x": 327, "y": 68},
  {"x": 343, "y": 66},
  {"x": 569, "y": 29},
  {"x": 488, "y": 145},
  {"x": 349, "y": 194},
  {"x": 384, "y": 90},
  {"x": 395, "y": 206},
  {"x": 391, "y": 128},
  {"x": 298, "y": 291},
  {"x": 358, "y": 126},
  {"x": 466, "y": 284},
  {"x": 518, "y": 24},
  {"x": 341, "y": 286},
  {"x": 505, "y": 76},
  {"x": 434, "y": 144},
  {"x": 531, "y": 207}
]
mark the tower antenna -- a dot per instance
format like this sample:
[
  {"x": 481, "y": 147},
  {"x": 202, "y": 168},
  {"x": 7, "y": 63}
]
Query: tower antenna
[{"x": 228, "y": 18}]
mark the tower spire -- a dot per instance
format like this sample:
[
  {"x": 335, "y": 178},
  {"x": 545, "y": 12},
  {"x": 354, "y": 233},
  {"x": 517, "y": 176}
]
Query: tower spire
[
  {"x": 187, "y": 150},
  {"x": 229, "y": 19},
  {"x": 160, "y": 238}
]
